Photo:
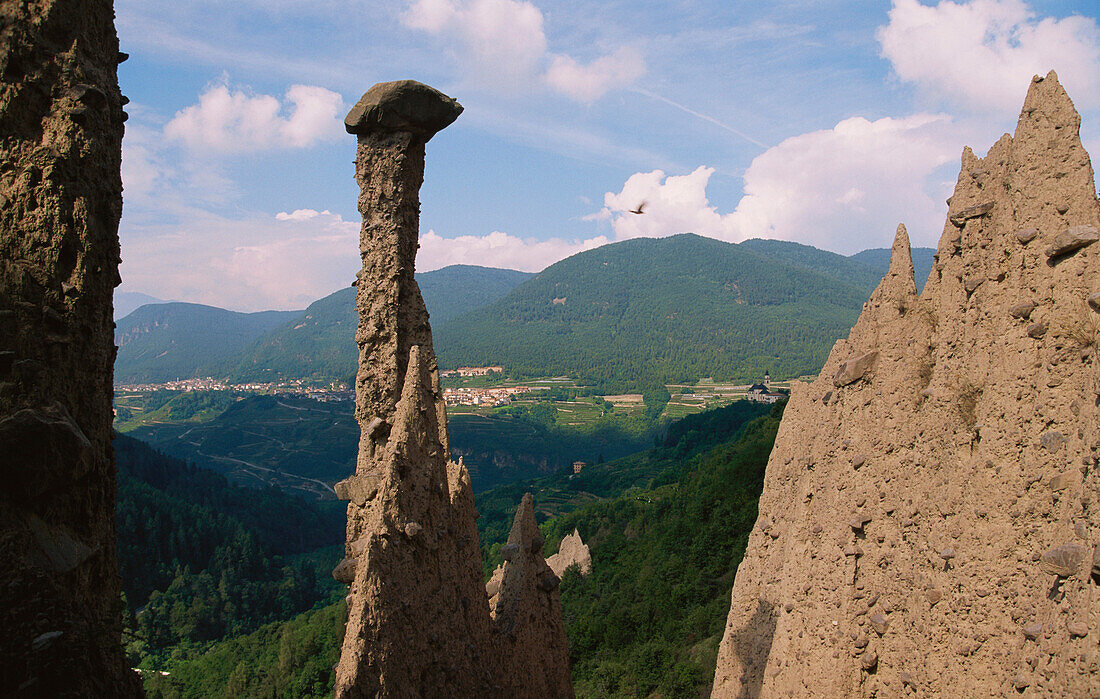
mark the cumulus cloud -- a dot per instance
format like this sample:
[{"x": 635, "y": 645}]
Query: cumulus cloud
[
  {"x": 842, "y": 189},
  {"x": 291, "y": 259},
  {"x": 284, "y": 261},
  {"x": 498, "y": 249},
  {"x": 981, "y": 53},
  {"x": 502, "y": 44},
  {"x": 226, "y": 120},
  {"x": 586, "y": 83}
]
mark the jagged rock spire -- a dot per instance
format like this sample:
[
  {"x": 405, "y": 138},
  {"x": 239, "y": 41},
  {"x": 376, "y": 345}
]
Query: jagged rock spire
[
  {"x": 930, "y": 499},
  {"x": 527, "y": 614},
  {"x": 418, "y": 614}
]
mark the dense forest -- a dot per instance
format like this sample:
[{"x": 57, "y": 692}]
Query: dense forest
[
  {"x": 285, "y": 439},
  {"x": 667, "y": 529},
  {"x": 201, "y": 559}
]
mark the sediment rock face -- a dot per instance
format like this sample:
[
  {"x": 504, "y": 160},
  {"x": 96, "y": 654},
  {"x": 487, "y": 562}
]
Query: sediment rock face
[
  {"x": 572, "y": 551},
  {"x": 60, "y": 201},
  {"x": 929, "y": 515},
  {"x": 527, "y": 623},
  {"x": 418, "y": 615}
]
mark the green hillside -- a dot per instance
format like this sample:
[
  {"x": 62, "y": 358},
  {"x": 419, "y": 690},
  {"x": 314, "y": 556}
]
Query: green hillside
[
  {"x": 166, "y": 341},
  {"x": 666, "y": 536},
  {"x": 304, "y": 446},
  {"x": 321, "y": 344},
  {"x": 201, "y": 560},
  {"x": 665, "y": 310}
]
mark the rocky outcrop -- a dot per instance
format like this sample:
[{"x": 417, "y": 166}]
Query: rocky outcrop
[
  {"x": 571, "y": 551},
  {"x": 418, "y": 615},
  {"x": 60, "y": 201},
  {"x": 929, "y": 515}
]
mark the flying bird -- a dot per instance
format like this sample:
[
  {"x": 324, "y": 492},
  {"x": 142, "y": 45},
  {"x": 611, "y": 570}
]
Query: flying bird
[{"x": 640, "y": 209}]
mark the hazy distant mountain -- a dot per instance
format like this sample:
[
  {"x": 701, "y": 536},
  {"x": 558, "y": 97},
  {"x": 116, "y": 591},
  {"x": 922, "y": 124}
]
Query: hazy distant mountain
[
  {"x": 641, "y": 311},
  {"x": 166, "y": 341},
  {"x": 322, "y": 342},
  {"x": 182, "y": 340},
  {"x": 668, "y": 310},
  {"x": 126, "y": 302}
]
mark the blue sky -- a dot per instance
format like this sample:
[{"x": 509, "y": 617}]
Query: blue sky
[{"x": 825, "y": 123}]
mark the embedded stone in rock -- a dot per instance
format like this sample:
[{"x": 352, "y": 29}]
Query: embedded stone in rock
[
  {"x": 359, "y": 489},
  {"x": 344, "y": 572},
  {"x": 1052, "y": 440},
  {"x": 976, "y": 211},
  {"x": 412, "y": 529},
  {"x": 43, "y": 450},
  {"x": 858, "y": 521},
  {"x": 854, "y": 369},
  {"x": 972, "y": 284},
  {"x": 1063, "y": 561},
  {"x": 947, "y": 554},
  {"x": 869, "y": 660},
  {"x": 1026, "y": 235},
  {"x": 1037, "y": 330},
  {"x": 879, "y": 623},
  {"x": 1094, "y": 301},
  {"x": 858, "y": 460},
  {"x": 402, "y": 105},
  {"x": 57, "y": 550},
  {"x": 1061, "y": 482},
  {"x": 1033, "y": 631},
  {"x": 1096, "y": 562},
  {"x": 1022, "y": 310},
  {"x": 509, "y": 552},
  {"x": 1072, "y": 240}
]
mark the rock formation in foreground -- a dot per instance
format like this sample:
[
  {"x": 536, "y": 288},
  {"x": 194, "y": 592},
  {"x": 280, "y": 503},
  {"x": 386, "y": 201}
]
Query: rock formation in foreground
[
  {"x": 929, "y": 522},
  {"x": 419, "y": 622},
  {"x": 572, "y": 551},
  {"x": 60, "y": 201}
]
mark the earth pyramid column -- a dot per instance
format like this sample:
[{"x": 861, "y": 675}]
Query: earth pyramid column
[
  {"x": 929, "y": 520},
  {"x": 418, "y": 619},
  {"x": 60, "y": 201}
]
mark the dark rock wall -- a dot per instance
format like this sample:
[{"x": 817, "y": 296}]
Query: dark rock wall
[{"x": 61, "y": 124}]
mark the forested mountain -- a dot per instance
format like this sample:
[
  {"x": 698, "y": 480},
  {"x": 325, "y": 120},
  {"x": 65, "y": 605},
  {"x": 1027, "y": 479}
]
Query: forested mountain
[
  {"x": 629, "y": 315},
  {"x": 166, "y": 341},
  {"x": 665, "y": 310},
  {"x": 203, "y": 559},
  {"x": 169, "y": 341},
  {"x": 321, "y": 344},
  {"x": 126, "y": 302}
]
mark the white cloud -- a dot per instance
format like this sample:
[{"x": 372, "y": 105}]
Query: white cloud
[
  {"x": 498, "y": 249},
  {"x": 291, "y": 259},
  {"x": 227, "y": 120},
  {"x": 982, "y": 53},
  {"x": 590, "y": 82},
  {"x": 842, "y": 189},
  {"x": 284, "y": 261},
  {"x": 502, "y": 44}
]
